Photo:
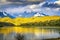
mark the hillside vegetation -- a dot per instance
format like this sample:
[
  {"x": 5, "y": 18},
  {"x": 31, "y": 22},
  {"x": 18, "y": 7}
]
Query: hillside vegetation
[{"x": 33, "y": 21}]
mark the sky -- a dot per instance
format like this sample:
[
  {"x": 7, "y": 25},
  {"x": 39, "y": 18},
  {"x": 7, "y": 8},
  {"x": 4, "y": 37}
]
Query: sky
[{"x": 18, "y": 7}]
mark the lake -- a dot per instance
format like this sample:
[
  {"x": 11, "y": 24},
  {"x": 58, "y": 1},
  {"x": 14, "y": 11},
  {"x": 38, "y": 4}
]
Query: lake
[{"x": 32, "y": 33}]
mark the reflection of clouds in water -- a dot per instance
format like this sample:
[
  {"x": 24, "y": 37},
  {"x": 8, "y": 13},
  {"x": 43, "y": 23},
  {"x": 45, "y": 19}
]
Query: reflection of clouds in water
[
  {"x": 50, "y": 35},
  {"x": 47, "y": 35},
  {"x": 1, "y": 36},
  {"x": 39, "y": 35},
  {"x": 10, "y": 36}
]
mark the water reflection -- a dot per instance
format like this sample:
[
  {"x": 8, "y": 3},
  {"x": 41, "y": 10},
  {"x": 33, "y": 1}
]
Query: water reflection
[{"x": 10, "y": 33}]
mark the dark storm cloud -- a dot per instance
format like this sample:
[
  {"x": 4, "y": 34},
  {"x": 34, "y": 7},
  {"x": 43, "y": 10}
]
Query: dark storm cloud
[
  {"x": 3, "y": 2},
  {"x": 14, "y": 0},
  {"x": 24, "y": 0}
]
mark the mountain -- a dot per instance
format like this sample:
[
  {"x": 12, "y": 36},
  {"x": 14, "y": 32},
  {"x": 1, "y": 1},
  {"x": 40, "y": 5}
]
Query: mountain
[
  {"x": 2, "y": 14},
  {"x": 8, "y": 15},
  {"x": 39, "y": 14},
  {"x": 31, "y": 14},
  {"x": 24, "y": 14}
]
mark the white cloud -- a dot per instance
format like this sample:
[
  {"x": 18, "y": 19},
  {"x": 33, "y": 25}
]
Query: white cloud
[
  {"x": 48, "y": 8},
  {"x": 21, "y": 9},
  {"x": 14, "y": 10},
  {"x": 57, "y": 9},
  {"x": 32, "y": 6},
  {"x": 57, "y": 2},
  {"x": 19, "y": 15},
  {"x": 35, "y": 0}
]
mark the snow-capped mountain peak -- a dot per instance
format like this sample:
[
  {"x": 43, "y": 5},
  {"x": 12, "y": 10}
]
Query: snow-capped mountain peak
[
  {"x": 2, "y": 14},
  {"x": 38, "y": 14}
]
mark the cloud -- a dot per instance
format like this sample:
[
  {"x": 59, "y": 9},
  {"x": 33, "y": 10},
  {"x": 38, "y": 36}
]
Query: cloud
[
  {"x": 24, "y": 0},
  {"x": 14, "y": 10},
  {"x": 51, "y": 0},
  {"x": 57, "y": 2},
  {"x": 3, "y": 0},
  {"x": 51, "y": 11},
  {"x": 57, "y": 9},
  {"x": 27, "y": 8},
  {"x": 35, "y": 0},
  {"x": 33, "y": 8},
  {"x": 20, "y": 0},
  {"x": 14, "y": 0},
  {"x": 50, "y": 4}
]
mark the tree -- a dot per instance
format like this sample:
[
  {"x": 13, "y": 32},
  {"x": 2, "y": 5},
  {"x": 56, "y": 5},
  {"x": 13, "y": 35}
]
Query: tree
[{"x": 6, "y": 24}]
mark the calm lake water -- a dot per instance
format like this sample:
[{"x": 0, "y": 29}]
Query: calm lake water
[{"x": 37, "y": 33}]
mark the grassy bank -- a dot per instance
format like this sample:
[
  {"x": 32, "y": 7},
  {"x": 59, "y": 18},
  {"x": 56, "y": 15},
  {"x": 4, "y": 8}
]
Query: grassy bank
[{"x": 33, "y": 21}]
